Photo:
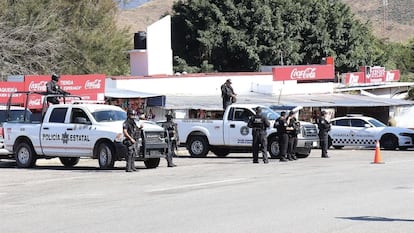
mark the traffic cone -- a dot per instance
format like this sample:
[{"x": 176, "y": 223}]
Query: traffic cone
[{"x": 377, "y": 158}]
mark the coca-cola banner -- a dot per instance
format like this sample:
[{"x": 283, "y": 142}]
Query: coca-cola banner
[
  {"x": 8, "y": 87},
  {"x": 89, "y": 87},
  {"x": 378, "y": 74},
  {"x": 303, "y": 73},
  {"x": 392, "y": 75},
  {"x": 354, "y": 78}
]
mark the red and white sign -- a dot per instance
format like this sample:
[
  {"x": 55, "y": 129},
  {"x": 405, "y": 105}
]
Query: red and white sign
[
  {"x": 354, "y": 78},
  {"x": 9, "y": 87},
  {"x": 378, "y": 74},
  {"x": 392, "y": 75},
  {"x": 89, "y": 87},
  {"x": 303, "y": 73}
]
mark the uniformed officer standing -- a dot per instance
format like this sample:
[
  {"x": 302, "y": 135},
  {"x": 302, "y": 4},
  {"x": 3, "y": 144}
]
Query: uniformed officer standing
[
  {"x": 259, "y": 124},
  {"x": 281, "y": 125},
  {"x": 132, "y": 134},
  {"x": 293, "y": 129},
  {"x": 53, "y": 89},
  {"x": 227, "y": 94},
  {"x": 324, "y": 127},
  {"x": 171, "y": 128}
]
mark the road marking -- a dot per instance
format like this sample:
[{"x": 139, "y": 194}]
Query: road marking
[{"x": 197, "y": 185}]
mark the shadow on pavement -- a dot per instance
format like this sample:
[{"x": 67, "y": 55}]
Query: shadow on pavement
[{"x": 377, "y": 219}]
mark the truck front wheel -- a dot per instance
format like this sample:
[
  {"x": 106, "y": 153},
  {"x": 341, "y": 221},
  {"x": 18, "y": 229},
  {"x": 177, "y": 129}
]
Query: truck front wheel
[
  {"x": 273, "y": 147},
  {"x": 25, "y": 155},
  {"x": 105, "y": 156},
  {"x": 198, "y": 146}
]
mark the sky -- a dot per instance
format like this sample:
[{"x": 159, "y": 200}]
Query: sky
[{"x": 132, "y": 4}]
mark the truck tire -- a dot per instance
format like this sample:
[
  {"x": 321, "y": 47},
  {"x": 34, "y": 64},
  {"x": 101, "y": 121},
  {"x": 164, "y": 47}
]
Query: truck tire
[
  {"x": 105, "y": 156},
  {"x": 152, "y": 163},
  {"x": 198, "y": 146},
  {"x": 25, "y": 155},
  {"x": 273, "y": 147},
  {"x": 221, "y": 153},
  {"x": 69, "y": 161}
]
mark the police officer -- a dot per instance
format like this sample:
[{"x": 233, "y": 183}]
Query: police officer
[
  {"x": 259, "y": 124},
  {"x": 281, "y": 125},
  {"x": 227, "y": 94},
  {"x": 132, "y": 135},
  {"x": 293, "y": 128},
  {"x": 53, "y": 89},
  {"x": 324, "y": 127},
  {"x": 171, "y": 129}
]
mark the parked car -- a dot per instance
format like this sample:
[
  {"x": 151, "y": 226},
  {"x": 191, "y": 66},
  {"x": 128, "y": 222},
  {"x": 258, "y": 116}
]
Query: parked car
[
  {"x": 16, "y": 114},
  {"x": 358, "y": 130}
]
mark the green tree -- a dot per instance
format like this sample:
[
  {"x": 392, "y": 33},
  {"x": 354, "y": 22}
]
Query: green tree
[
  {"x": 63, "y": 36},
  {"x": 245, "y": 34}
]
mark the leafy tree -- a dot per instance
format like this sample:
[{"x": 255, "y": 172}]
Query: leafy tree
[
  {"x": 245, "y": 34},
  {"x": 63, "y": 36}
]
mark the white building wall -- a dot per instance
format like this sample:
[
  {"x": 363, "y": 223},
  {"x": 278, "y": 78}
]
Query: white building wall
[{"x": 159, "y": 47}]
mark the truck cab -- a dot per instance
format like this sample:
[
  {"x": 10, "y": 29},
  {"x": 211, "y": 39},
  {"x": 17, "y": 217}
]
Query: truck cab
[{"x": 230, "y": 133}]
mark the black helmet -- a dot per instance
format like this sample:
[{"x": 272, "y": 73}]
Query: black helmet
[
  {"x": 131, "y": 112},
  {"x": 169, "y": 114},
  {"x": 55, "y": 77}
]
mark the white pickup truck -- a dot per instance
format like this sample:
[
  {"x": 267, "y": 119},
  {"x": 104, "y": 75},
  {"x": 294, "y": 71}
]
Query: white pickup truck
[
  {"x": 75, "y": 130},
  {"x": 231, "y": 134}
]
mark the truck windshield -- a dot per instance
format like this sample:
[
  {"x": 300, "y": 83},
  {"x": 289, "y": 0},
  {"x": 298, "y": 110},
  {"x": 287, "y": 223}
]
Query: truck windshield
[
  {"x": 271, "y": 115},
  {"x": 109, "y": 115}
]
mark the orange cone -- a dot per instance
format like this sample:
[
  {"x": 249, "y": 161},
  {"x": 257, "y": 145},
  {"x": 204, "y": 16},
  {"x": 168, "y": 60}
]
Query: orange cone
[{"x": 377, "y": 158}]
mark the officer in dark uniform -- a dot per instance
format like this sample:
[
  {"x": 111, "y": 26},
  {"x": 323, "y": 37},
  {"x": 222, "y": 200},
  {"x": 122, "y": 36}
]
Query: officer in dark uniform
[
  {"x": 281, "y": 125},
  {"x": 52, "y": 88},
  {"x": 227, "y": 94},
  {"x": 324, "y": 127},
  {"x": 293, "y": 129},
  {"x": 259, "y": 124},
  {"x": 171, "y": 129},
  {"x": 132, "y": 134}
]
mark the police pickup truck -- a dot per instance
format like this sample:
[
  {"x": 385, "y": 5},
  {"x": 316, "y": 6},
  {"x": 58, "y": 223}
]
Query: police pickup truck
[
  {"x": 70, "y": 131},
  {"x": 231, "y": 134}
]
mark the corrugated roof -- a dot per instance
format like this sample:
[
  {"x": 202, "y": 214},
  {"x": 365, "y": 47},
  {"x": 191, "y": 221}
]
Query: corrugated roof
[{"x": 306, "y": 100}]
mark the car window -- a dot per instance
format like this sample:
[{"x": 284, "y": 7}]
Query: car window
[
  {"x": 377, "y": 123},
  {"x": 15, "y": 115},
  {"x": 109, "y": 115},
  {"x": 76, "y": 114},
  {"x": 341, "y": 122},
  {"x": 241, "y": 114},
  {"x": 358, "y": 123},
  {"x": 58, "y": 115}
]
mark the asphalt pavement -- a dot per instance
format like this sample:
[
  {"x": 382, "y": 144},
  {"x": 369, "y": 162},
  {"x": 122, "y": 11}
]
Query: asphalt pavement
[{"x": 346, "y": 193}]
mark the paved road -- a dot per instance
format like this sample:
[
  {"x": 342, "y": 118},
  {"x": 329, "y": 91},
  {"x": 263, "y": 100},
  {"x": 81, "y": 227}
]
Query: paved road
[{"x": 345, "y": 193}]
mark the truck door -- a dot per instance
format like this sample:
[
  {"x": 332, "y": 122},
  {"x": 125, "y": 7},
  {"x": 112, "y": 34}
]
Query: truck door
[
  {"x": 236, "y": 132},
  {"x": 79, "y": 133},
  {"x": 52, "y": 137},
  {"x": 66, "y": 133}
]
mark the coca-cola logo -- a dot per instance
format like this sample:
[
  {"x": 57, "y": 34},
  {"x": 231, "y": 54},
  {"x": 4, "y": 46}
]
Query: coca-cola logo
[
  {"x": 95, "y": 84},
  {"x": 34, "y": 102},
  {"x": 307, "y": 73},
  {"x": 40, "y": 86}
]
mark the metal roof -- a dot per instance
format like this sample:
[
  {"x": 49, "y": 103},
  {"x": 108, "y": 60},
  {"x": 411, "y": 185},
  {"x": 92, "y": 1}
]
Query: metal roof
[{"x": 306, "y": 100}]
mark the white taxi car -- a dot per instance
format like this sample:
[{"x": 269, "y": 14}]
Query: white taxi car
[{"x": 358, "y": 130}]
